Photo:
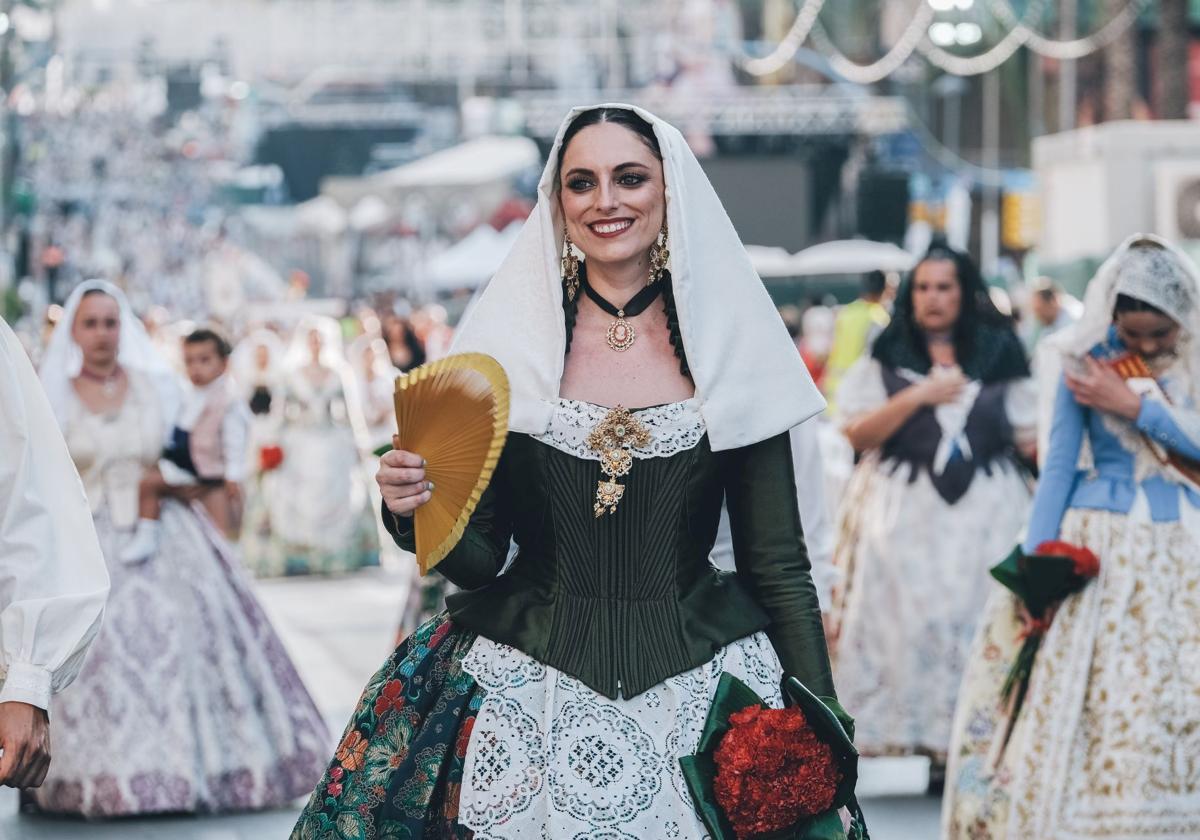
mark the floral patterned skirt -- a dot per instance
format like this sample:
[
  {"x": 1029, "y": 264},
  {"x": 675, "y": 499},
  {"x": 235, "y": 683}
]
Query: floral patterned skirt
[{"x": 398, "y": 769}]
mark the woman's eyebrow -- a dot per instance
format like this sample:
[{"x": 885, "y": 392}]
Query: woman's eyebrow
[{"x": 578, "y": 170}]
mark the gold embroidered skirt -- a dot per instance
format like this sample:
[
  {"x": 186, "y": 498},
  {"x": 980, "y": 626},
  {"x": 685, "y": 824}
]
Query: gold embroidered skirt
[{"x": 1108, "y": 741}]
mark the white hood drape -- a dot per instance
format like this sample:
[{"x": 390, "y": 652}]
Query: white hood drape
[{"x": 751, "y": 383}]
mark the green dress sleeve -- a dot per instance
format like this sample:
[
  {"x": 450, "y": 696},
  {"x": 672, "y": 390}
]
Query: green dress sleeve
[
  {"x": 480, "y": 554},
  {"x": 772, "y": 559}
]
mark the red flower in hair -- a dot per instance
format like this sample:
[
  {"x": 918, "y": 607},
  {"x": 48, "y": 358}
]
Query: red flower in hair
[{"x": 773, "y": 771}]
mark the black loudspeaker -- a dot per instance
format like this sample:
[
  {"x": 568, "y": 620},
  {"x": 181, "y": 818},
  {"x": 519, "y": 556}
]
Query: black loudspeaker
[{"x": 883, "y": 205}]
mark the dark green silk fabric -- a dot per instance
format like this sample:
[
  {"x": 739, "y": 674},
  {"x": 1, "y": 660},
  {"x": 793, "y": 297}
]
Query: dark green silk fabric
[{"x": 627, "y": 600}]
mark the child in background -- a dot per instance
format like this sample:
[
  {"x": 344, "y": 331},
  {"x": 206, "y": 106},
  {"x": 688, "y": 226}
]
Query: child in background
[{"x": 207, "y": 452}]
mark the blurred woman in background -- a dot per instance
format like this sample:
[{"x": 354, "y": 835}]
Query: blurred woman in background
[
  {"x": 320, "y": 517},
  {"x": 938, "y": 410}
]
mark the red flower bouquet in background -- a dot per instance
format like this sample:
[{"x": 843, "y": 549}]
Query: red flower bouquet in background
[
  {"x": 774, "y": 773},
  {"x": 269, "y": 458},
  {"x": 1041, "y": 581}
]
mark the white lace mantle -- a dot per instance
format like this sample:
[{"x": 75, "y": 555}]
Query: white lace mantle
[{"x": 674, "y": 428}]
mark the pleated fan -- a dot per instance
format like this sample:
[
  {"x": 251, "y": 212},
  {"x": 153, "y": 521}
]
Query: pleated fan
[{"x": 454, "y": 414}]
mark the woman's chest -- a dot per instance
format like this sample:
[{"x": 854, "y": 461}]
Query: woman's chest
[
  {"x": 646, "y": 374},
  {"x": 107, "y": 436},
  {"x": 590, "y": 474}
]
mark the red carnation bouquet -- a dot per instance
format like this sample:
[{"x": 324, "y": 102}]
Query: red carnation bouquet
[
  {"x": 1041, "y": 581},
  {"x": 774, "y": 773},
  {"x": 269, "y": 458}
]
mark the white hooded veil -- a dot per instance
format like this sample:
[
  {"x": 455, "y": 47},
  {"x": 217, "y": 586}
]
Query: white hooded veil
[
  {"x": 244, "y": 366},
  {"x": 751, "y": 383},
  {"x": 1164, "y": 277},
  {"x": 332, "y": 356},
  {"x": 63, "y": 359}
]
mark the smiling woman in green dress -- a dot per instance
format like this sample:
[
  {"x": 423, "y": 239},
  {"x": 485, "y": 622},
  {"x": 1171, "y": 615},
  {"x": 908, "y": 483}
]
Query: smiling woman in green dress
[{"x": 555, "y": 698}]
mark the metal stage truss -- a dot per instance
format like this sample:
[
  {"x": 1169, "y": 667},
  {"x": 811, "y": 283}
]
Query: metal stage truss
[{"x": 794, "y": 110}]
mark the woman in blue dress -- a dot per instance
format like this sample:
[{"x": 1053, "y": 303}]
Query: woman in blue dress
[{"x": 1107, "y": 744}]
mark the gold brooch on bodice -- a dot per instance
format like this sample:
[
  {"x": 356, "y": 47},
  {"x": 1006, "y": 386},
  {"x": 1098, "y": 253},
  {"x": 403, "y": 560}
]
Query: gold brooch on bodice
[{"x": 614, "y": 438}]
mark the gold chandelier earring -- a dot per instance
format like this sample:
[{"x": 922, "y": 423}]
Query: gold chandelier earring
[
  {"x": 659, "y": 255},
  {"x": 569, "y": 266}
]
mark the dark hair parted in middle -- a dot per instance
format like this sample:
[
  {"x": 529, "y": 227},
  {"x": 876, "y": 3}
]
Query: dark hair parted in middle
[
  {"x": 596, "y": 116},
  {"x": 985, "y": 345},
  {"x": 643, "y": 129}
]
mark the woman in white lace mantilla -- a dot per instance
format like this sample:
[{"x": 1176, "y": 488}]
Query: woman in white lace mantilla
[
  {"x": 559, "y": 692},
  {"x": 1106, "y": 742}
]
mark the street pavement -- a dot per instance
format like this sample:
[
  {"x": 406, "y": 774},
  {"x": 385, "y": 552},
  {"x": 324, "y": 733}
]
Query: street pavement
[{"x": 339, "y": 631}]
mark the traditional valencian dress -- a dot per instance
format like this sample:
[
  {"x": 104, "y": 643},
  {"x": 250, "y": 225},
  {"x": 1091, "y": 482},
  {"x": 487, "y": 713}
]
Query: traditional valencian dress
[
  {"x": 557, "y": 695},
  {"x": 188, "y": 701},
  {"x": 923, "y": 519},
  {"x": 1107, "y": 742},
  {"x": 318, "y": 516}
]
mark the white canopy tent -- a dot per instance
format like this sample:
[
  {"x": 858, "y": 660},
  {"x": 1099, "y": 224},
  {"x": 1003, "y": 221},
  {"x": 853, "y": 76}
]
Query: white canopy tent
[
  {"x": 852, "y": 256},
  {"x": 770, "y": 261},
  {"x": 471, "y": 261},
  {"x": 843, "y": 256},
  {"x": 468, "y": 164},
  {"x": 486, "y": 164}
]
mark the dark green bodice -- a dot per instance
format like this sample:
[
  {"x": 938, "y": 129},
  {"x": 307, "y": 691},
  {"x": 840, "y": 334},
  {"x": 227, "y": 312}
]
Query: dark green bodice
[{"x": 624, "y": 601}]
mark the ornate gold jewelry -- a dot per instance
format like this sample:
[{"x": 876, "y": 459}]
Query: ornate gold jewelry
[
  {"x": 614, "y": 438},
  {"x": 621, "y": 333},
  {"x": 659, "y": 256},
  {"x": 569, "y": 266}
]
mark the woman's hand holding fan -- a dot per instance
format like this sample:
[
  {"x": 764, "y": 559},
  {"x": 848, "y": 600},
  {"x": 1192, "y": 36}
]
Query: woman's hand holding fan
[
  {"x": 401, "y": 479},
  {"x": 452, "y": 419}
]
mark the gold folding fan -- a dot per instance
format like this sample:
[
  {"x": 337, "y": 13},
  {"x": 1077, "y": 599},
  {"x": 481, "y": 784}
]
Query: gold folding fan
[{"x": 454, "y": 414}]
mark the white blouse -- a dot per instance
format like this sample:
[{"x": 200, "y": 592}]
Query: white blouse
[{"x": 53, "y": 581}]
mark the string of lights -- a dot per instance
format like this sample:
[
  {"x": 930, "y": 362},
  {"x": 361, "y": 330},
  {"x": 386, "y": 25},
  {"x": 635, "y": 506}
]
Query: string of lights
[
  {"x": 876, "y": 71},
  {"x": 1076, "y": 47},
  {"x": 786, "y": 49},
  {"x": 950, "y": 160},
  {"x": 919, "y": 36},
  {"x": 990, "y": 59}
]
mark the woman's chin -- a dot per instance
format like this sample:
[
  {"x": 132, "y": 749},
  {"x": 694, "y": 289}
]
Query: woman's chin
[
  {"x": 614, "y": 253},
  {"x": 936, "y": 327}
]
